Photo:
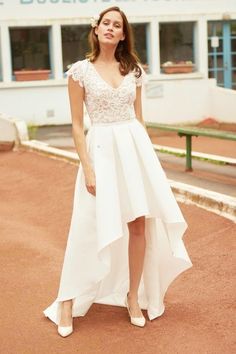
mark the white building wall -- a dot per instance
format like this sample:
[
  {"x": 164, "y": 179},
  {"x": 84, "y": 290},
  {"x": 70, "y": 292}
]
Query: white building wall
[
  {"x": 182, "y": 101},
  {"x": 37, "y": 103},
  {"x": 222, "y": 104},
  {"x": 174, "y": 98}
]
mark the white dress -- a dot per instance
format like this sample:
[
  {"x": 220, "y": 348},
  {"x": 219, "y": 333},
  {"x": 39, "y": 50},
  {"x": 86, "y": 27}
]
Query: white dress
[{"x": 130, "y": 182}]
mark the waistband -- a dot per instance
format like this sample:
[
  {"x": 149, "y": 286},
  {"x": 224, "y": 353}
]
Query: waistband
[{"x": 116, "y": 122}]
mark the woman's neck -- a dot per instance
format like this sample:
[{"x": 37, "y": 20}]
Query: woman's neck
[{"x": 107, "y": 55}]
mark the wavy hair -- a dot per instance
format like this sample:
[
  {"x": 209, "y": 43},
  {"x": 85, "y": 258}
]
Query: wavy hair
[{"x": 125, "y": 53}]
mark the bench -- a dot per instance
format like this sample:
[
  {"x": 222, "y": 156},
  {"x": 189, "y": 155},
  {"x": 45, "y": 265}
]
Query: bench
[{"x": 188, "y": 132}]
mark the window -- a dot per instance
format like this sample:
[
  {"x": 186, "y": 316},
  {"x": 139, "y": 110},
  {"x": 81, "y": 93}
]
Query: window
[
  {"x": 233, "y": 49},
  {"x": 74, "y": 43},
  {"x": 177, "y": 42},
  {"x": 222, "y": 52},
  {"x": 30, "y": 48},
  {"x": 140, "y": 31}
]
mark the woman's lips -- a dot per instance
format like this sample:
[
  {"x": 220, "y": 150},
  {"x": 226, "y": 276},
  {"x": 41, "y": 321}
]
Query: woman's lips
[{"x": 108, "y": 35}]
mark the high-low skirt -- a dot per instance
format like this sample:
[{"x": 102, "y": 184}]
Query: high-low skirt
[{"x": 130, "y": 183}]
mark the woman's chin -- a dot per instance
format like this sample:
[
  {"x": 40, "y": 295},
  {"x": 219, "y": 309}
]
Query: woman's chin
[{"x": 108, "y": 41}]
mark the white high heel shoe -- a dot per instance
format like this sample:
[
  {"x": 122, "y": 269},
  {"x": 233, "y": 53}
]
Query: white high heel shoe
[
  {"x": 65, "y": 331},
  {"x": 137, "y": 321}
]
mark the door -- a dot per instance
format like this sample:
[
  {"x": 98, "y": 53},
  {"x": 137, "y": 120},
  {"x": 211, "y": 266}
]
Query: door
[{"x": 222, "y": 53}]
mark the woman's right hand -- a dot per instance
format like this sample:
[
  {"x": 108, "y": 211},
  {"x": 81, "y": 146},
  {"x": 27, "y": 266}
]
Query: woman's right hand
[{"x": 90, "y": 181}]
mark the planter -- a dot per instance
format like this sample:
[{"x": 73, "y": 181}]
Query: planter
[
  {"x": 6, "y": 145},
  {"x": 31, "y": 75},
  {"x": 177, "y": 68}
]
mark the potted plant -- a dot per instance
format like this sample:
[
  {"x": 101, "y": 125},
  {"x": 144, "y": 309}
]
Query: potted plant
[
  {"x": 28, "y": 74},
  {"x": 170, "y": 67}
]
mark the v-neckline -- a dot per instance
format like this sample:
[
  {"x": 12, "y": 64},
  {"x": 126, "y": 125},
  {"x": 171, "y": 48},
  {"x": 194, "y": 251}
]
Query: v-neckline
[{"x": 101, "y": 78}]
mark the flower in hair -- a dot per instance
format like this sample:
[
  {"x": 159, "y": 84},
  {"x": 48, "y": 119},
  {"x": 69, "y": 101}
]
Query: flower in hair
[{"x": 94, "y": 20}]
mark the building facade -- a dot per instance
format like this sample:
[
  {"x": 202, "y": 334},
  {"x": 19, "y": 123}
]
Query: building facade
[{"x": 187, "y": 47}]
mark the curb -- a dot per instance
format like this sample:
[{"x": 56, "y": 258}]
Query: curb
[
  {"x": 218, "y": 203},
  {"x": 195, "y": 154},
  {"x": 45, "y": 149}
]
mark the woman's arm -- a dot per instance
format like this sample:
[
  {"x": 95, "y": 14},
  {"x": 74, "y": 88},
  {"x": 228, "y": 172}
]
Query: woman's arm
[
  {"x": 138, "y": 105},
  {"x": 76, "y": 96}
]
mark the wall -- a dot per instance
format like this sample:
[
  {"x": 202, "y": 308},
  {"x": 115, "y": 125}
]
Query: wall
[
  {"x": 176, "y": 98},
  {"x": 44, "y": 104},
  {"x": 176, "y": 102},
  {"x": 180, "y": 101},
  {"x": 222, "y": 104}
]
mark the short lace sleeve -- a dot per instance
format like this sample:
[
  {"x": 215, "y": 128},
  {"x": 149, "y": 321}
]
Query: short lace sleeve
[
  {"x": 76, "y": 71},
  {"x": 142, "y": 78}
]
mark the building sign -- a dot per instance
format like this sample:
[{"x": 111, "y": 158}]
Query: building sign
[
  {"x": 59, "y": 2},
  {"x": 44, "y": 9}
]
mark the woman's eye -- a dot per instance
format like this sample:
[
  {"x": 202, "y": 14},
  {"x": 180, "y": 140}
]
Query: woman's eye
[{"x": 107, "y": 23}]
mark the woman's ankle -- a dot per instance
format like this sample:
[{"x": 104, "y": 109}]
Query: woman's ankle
[
  {"x": 67, "y": 303},
  {"x": 66, "y": 313},
  {"x": 132, "y": 296}
]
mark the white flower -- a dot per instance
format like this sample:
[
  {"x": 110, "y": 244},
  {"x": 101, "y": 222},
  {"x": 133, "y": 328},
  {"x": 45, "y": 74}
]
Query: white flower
[
  {"x": 94, "y": 20},
  {"x": 167, "y": 63}
]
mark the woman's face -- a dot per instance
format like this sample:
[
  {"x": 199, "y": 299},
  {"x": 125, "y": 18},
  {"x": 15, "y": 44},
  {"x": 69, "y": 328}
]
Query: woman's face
[{"x": 110, "y": 29}]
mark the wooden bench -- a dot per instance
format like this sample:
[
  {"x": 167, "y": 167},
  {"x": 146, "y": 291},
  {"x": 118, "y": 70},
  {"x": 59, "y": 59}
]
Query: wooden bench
[{"x": 188, "y": 132}]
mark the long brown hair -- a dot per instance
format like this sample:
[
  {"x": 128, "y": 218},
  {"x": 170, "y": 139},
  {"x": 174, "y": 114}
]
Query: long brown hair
[{"x": 125, "y": 53}]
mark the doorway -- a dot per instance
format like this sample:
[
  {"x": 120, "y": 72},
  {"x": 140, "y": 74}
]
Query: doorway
[{"x": 222, "y": 53}]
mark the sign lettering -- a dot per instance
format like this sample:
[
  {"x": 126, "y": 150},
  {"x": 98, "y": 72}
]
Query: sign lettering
[{"x": 28, "y": 2}]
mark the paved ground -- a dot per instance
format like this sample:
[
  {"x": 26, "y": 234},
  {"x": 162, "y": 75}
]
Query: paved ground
[
  {"x": 35, "y": 210},
  {"x": 60, "y": 136},
  {"x": 218, "y": 178}
]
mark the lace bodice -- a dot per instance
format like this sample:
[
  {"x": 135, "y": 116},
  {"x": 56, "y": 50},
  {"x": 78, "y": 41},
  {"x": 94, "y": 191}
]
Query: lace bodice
[{"x": 103, "y": 102}]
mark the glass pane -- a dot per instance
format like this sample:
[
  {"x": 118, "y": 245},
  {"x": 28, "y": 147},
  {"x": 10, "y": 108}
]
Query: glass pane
[
  {"x": 220, "y": 77},
  {"x": 233, "y": 28},
  {"x": 214, "y": 29},
  {"x": 234, "y": 61},
  {"x": 210, "y": 49},
  {"x": 176, "y": 42},
  {"x": 220, "y": 48},
  {"x": 211, "y": 74},
  {"x": 233, "y": 45},
  {"x": 74, "y": 43},
  {"x": 234, "y": 76},
  {"x": 140, "y": 42},
  {"x": 210, "y": 61},
  {"x": 30, "y": 48},
  {"x": 220, "y": 61}
]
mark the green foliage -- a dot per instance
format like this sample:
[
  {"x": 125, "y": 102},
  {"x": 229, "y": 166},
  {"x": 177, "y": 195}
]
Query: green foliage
[{"x": 32, "y": 130}]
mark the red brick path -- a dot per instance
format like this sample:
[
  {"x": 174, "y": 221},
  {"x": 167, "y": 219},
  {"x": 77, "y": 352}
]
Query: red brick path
[{"x": 35, "y": 209}]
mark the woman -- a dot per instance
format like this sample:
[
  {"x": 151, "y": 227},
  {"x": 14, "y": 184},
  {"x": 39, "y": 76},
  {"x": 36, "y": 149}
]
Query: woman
[{"x": 126, "y": 228}]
